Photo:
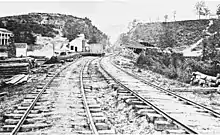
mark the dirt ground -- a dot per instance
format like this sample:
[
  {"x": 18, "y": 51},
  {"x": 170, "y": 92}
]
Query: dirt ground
[
  {"x": 121, "y": 116},
  {"x": 17, "y": 93}
]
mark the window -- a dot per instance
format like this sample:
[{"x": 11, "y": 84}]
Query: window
[
  {"x": 63, "y": 53},
  {"x": 3, "y": 42},
  {"x": 72, "y": 48},
  {"x": 75, "y": 49}
]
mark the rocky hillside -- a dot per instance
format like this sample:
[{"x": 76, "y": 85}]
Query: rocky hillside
[
  {"x": 175, "y": 34},
  {"x": 28, "y": 26}
]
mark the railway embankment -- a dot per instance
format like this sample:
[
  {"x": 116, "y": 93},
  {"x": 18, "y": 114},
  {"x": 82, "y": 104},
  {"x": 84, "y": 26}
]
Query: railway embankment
[{"x": 208, "y": 96}]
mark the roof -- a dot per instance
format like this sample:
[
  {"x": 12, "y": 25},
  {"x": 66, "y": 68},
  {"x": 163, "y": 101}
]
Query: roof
[
  {"x": 192, "y": 54},
  {"x": 133, "y": 44},
  {"x": 21, "y": 45},
  {"x": 5, "y": 30}
]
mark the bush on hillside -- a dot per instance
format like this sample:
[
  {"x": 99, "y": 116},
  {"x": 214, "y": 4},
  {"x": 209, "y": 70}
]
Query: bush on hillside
[
  {"x": 215, "y": 26},
  {"x": 174, "y": 66}
]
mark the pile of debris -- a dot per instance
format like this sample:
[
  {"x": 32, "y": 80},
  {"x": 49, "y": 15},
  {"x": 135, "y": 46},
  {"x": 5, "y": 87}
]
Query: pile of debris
[{"x": 205, "y": 80}]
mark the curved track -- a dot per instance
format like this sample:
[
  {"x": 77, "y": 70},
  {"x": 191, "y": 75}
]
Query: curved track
[
  {"x": 91, "y": 122},
  {"x": 96, "y": 118},
  {"x": 189, "y": 116}
]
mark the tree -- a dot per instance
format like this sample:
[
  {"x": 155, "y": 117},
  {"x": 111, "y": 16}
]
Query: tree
[
  {"x": 132, "y": 24},
  {"x": 218, "y": 11},
  {"x": 71, "y": 29},
  {"x": 166, "y": 17},
  {"x": 11, "y": 48},
  {"x": 201, "y": 9}
]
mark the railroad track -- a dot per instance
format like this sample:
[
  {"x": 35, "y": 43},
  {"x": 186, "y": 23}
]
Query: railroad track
[
  {"x": 169, "y": 112},
  {"x": 25, "y": 117},
  {"x": 96, "y": 119}
]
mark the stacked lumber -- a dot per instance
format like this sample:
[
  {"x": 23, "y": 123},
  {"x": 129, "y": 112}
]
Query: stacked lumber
[{"x": 11, "y": 67}]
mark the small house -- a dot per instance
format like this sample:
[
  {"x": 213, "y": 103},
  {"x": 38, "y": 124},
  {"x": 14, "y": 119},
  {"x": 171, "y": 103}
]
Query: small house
[
  {"x": 78, "y": 44},
  {"x": 21, "y": 49}
]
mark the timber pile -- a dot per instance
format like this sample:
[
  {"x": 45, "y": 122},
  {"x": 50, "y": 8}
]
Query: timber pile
[
  {"x": 14, "y": 66},
  {"x": 205, "y": 80}
]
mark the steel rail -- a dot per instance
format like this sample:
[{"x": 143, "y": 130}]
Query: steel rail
[
  {"x": 186, "y": 128},
  {"x": 89, "y": 115},
  {"x": 18, "y": 126},
  {"x": 170, "y": 92}
]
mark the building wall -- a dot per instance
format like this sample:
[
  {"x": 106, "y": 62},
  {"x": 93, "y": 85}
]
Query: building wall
[
  {"x": 21, "y": 49},
  {"x": 3, "y": 51},
  {"x": 96, "y": 48},
  {"x": 78, "y": 43},
  {"x": 4, "y": 42},
  {"x": 4, "y": 37},
  {"x": 21, "y": 52}
]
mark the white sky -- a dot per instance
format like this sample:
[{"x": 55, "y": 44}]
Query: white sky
[{"x": 110, "y": 16}]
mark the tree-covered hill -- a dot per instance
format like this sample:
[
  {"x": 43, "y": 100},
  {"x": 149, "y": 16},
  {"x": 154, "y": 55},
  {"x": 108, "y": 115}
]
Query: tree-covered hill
[{"x": 26, "y": 27}]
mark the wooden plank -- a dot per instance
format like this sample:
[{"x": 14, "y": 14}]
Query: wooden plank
[
  {"x": 24, "y": 79},
  {"x": 16, "y": 60},
  {"x": 13, "y": 71},
  {"x": 15, "y": 79},
  {"x": 199, "y": 89},
  {"x": 14, "y": 65}
]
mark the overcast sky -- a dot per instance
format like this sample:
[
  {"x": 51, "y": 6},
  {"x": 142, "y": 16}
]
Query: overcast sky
[{"x": 110, "y": 16}]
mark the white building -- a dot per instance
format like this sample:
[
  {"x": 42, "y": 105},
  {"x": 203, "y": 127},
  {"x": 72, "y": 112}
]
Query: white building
[
  {"x": 96, "y": 48},
  {"x": 4, "y": 41},
  {"x": 78, "y": 44},
  {"x": 4, "y": 36},
  {"x": 21, "y": 49}
]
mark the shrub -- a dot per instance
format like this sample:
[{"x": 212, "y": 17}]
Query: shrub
[{"x": 170, "y": 65}]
